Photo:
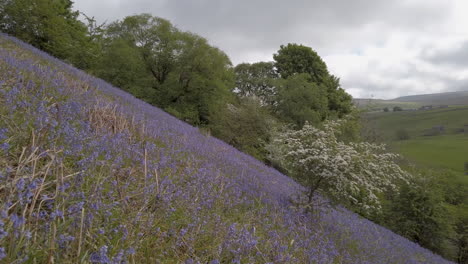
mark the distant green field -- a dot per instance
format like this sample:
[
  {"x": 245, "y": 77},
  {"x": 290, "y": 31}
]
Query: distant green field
[
  {"x": 378, "y": 105},
  {"x": 449, "y": 150},
  {"x": 418, "y": 122},
  {"x": 446, "y": 152}
]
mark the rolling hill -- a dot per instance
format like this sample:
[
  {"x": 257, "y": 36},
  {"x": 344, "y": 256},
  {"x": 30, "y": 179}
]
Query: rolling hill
[
  {"x": 90, "y": 174},
  {"x": 416, "y": 101}
]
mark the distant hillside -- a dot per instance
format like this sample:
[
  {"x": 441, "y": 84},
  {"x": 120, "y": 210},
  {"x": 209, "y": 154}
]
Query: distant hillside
[
  {"x": 416, "y": 101},
  {"x": 451, "y": 98},
  {"x": 90, "y": 174}
]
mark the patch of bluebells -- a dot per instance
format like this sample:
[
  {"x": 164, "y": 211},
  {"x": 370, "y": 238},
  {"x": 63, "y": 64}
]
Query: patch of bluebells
[
  {"x": 4, "y": 145},
  {"x": 187, "y": 188}
]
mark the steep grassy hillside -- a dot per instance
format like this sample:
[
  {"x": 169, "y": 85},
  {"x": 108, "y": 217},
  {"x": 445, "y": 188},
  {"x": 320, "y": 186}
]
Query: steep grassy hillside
[{"x": 89, "y": 174}]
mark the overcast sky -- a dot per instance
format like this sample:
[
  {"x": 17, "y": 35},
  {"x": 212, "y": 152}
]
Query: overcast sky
[{"x": 379, "y": 48}]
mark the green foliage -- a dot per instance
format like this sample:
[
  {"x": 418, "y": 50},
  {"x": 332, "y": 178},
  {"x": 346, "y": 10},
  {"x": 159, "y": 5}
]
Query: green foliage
[
  {"x": 51, "y": 26},
  {"x": 300, "y": 101},
  {"x": 256, "y": 80},
  {"x": 298, "y": 65},
  {"x": 418, "y": 212},
  {"x": 386, "y": 109},
  {"x": 444, "y": 184},
  {"x": 247, "y": 126},
  {"x": 397, "y": 109},
  {"x": 339, "y": 102},
  {"x": 350, "y": 128},
  {"x": 189, "y": 78},
  {"x": 121, "y": 62},
  {"x": 295, "y": 59}
]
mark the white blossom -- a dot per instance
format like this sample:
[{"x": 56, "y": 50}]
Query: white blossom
[{"x": 354, "y": 172}]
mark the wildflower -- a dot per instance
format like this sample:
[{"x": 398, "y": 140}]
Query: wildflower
[
  {"x": 2, "y": 253},
  {"x": 100, "y": 257}
]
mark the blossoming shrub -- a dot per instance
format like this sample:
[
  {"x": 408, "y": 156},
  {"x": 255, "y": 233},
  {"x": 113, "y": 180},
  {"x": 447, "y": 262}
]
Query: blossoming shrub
[{"x": 353, "y": 173}]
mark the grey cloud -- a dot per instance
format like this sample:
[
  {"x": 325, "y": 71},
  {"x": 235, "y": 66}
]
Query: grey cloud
[
  {"x": 252, "y": 30},
  {"x": 457, "y": 57}
]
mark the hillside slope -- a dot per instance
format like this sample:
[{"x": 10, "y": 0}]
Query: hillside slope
[
  {"x": 415, "y": 101},
  {"x": 449, "y": 98},
  {"x": 89, "y": 174}
]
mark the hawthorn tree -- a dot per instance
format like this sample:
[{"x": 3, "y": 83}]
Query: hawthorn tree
[{"x": 352, "y": 173}]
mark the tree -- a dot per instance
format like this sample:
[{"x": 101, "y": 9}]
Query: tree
[
  {"x": 353, "y": 173},
  {"x": 190, "y": 79},
  {"x": 50, "y": 25},
  {"x": 247, "y": 126},
  {"x": 418, "y": 213},
  {"x": 299, "y": 101},
  {"x": 397, "y": 109},
  {"x": 156, "y": 39},
  {"x": 339, "y": 102},
  {"x": 295, "y": 59},
  {"x": 122, "y": 64},
  {"x": 256, "y": 80},
  {"x": 386, "y": 109}
]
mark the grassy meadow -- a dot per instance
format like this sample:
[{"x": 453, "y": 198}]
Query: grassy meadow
[{"x": 424, "y": 145}]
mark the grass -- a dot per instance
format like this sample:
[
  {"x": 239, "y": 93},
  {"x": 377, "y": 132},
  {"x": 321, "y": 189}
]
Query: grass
[
  {"x": 378, "y": 105},
  {"x": 449, "y": 150},
  {"x": 441, "y": 152},
  {"x": 417, "y": 122}
]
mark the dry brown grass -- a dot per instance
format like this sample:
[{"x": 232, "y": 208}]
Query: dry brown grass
[{"x": 105, "y": 116}]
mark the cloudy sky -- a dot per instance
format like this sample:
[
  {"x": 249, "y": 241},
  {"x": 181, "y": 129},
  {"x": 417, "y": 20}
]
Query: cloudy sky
[{"x": 379, "y": 48}]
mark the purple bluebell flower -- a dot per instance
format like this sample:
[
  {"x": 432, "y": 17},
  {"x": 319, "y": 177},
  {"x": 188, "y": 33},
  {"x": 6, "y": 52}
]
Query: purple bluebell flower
[{"x": 2, "y": 253}]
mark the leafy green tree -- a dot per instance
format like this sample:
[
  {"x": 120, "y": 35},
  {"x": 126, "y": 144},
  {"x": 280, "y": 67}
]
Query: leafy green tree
[
  {"x": 50, "y": 25},
  {"x": 300, "y": 101},
  {"x": 418, "y": 213},
  {"x": 397, "y": 109},
  {"x": 121, "y": 63},
  {"x": 247, "y": 126},
  {"x": 156, "y": 38},
  {"x": 295, "y": 59},
  {"x": 190, "y": 79},
  {"x": 339, "y": 102},
  {"x": 199, "y": 85},
  {"x": 256, "y": 80}
]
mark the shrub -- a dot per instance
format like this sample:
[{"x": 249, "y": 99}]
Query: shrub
[
  {"x": 402, "y": 134},
  {"x": 354, "y": 173}
]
